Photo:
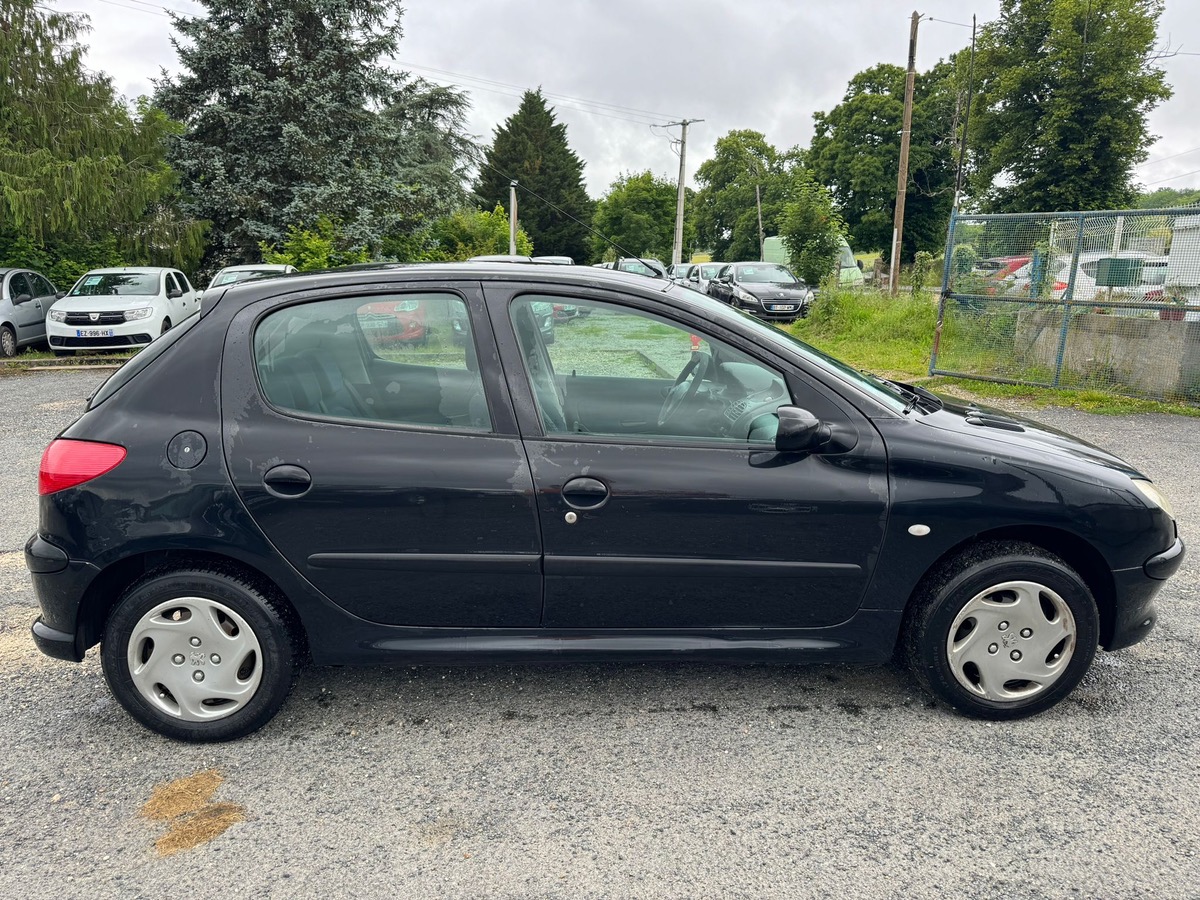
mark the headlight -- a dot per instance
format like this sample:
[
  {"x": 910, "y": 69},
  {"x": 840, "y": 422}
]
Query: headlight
[
  {"x": 742, "y": 294},
  {"x": 1154, "y": 496},
  {"x": 142, "y": 312},
  {"x": 58, "y": 315}
]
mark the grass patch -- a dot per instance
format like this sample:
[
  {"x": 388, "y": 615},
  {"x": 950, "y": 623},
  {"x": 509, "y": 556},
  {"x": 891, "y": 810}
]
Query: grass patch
[
  {"x": 892, "y": 338},
  {"x": 872, "y": 331}
]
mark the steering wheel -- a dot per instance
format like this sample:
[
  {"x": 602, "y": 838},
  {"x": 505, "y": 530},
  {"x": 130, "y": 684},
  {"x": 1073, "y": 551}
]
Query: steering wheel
[{"x": 684, "y": 390}]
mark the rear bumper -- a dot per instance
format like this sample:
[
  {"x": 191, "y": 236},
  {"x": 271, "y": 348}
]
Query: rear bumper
[{"x": 59, "y": 584}]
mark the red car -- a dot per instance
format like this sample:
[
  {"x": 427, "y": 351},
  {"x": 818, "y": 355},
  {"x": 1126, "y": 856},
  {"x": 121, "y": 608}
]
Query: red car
[{"x": 396, "y": 323}]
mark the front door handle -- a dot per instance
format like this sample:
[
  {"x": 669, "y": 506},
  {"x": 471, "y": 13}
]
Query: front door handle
[
  {"x": 287, "y": 481},
  {"x": 585, "y": 493}
]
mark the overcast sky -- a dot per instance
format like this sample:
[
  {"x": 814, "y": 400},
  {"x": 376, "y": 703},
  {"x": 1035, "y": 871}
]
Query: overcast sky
[{"x": 761, "y": 64}]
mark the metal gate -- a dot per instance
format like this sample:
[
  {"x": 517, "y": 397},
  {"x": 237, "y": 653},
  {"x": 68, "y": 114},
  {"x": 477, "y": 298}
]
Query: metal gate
[{"x": 1089, "y": 300}]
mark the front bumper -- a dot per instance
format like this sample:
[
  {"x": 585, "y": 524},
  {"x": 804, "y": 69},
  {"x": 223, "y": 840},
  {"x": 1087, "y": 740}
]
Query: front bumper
[
  {"x": 124, "y": 335},
  {"x": 1136, "y": 589}
]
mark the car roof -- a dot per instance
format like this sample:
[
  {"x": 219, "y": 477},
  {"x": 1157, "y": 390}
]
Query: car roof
[
  {"x": 256, "y": 267},
  {"x": 130, "y": 270}
]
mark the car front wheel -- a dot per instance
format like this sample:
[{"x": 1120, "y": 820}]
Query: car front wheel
[
  {"x": 8, "y": 341},
  {"x": 1003, "y": 631},
  {"x": 199, "y": 654}
]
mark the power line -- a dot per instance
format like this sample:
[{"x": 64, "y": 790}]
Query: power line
[
  {"x": 1173, "y": 177},
  {"x": 613, "y": 107},
  {"x": 1155, "y": 162}
]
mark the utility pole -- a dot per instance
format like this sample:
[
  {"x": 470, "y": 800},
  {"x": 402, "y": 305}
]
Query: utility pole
[
  {"x": 905, "y": 135},
  {"x": 512, "y": 218},
  {"x": 762, "y": 245},
  {"x": 677, "y": 246}
]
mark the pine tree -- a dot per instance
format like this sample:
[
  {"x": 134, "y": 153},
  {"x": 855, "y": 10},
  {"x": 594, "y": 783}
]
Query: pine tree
[
  {"x": 291, "y": 117},
  {"x": 531, "y": 146},
  {"x": 77, "y": 164}
]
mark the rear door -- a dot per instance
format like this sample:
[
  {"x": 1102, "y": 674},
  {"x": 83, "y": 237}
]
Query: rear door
[
  {"x": 28, "y": 317},
  {"x": 391, "y": 475}
]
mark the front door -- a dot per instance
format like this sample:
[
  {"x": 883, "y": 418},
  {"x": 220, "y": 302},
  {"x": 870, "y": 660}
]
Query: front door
[
  {"x": 662, "y": 501},
  {"x": 382, "y": 468}
]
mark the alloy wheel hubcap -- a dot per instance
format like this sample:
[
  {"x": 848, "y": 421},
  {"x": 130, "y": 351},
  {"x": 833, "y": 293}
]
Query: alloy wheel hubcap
[
  {"x": 195, "y": 659},
  {"x": 1011, "y": 641}
]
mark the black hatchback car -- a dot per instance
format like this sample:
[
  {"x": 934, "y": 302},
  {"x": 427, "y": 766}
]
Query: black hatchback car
[
  {"x": 767, "y": 290},
  {"x": 676, "y": 480}
]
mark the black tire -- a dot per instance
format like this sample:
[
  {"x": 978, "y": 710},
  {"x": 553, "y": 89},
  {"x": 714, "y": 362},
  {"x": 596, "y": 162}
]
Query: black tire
[
  {"x": 8, "y": 342},
  {"x": 166, "y": 326},
  {"x": 947, "y": 591},
  {"x": 64, "y": 353},
  {"x": 270, "y": 622}
]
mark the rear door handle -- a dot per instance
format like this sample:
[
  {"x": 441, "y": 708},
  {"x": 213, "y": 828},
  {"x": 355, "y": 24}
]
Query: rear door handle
[
  {"x": 585, "y": 493},
  {"x": 287, "y": 481}
]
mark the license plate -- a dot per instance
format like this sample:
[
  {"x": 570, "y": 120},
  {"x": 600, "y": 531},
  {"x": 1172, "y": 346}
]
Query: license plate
[
  {"x": 781, "y": 307},
  {"x": 93, "y": 332}
]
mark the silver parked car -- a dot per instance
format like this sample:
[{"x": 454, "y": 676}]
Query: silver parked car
[{"x": 25, "y": 298}]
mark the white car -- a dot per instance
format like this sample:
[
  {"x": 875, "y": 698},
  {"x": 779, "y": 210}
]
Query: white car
[
  {"x": 120, "y": 309},
  {"x": 233, "y": 274},
  {"x": 1153, "y": 271}
]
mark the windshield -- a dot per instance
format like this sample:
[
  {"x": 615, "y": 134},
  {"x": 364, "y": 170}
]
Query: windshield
[
  {"x": 709, "y": 272},
  {"x": 124, "y": 283},
  {"x": 241, "y": 275},
  {"x": 765, "y": 275},
  {"x": 846, "y": 258}
]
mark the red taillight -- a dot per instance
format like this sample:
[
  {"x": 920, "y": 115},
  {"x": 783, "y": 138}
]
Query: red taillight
[
  {"x": 67, "y": 463},
  {"x": 1060, "y": 285}
]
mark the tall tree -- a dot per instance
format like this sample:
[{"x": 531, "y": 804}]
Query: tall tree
[
  {"x": 856, "y": 153},
  {"x": 726, "y": 205},
  {"x": 291, "y": 116},
  {"x": 811, "y": 228},
  {"x": 638, "y": 213},
  {"x": 531, "y": 146},
  {"x": 76, "y": 163},
  {"x": 1064, "y": 90}
]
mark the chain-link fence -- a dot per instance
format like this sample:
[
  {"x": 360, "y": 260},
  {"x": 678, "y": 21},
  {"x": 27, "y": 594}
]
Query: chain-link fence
[{"x": 1098, "y": 300}]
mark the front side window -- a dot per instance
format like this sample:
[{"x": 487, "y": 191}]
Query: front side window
[
  {"x": 42, "y": 287},
  {"x": 400, "y": 359},
  {"x": 620, "y": 372}
]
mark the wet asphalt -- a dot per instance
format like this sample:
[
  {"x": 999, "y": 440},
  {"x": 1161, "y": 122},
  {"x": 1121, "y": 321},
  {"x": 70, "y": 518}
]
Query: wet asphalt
[{"x": 610, "y": 780}]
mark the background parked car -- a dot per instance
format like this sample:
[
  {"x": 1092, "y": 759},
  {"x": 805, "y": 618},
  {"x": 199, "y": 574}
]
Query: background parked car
[
  {"x": 702, "y": 273},
  {"x": 555, "y": 260},
  {"x": 233, "y": 274},
  {"x": 768, "y": 290},
  {"x": 119, "y": 309},
  {"x": 648, "y": 266},
  {"x": 25, "y": 298},
  {"x": 679, "y": 271},
  {"x": 396, "y": 324}
]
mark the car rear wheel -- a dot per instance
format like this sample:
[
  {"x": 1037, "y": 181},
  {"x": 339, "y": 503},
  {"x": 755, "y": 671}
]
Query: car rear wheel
[
  {"x": 199, "y": 654},
  {"x": 1003, "y": 631},
  {"x": 8, "y": 341}
]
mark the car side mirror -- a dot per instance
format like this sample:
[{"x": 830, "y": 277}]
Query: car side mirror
[
  {"x": 22, "y": 298},
  {"x": 60, "y": 295},
  {"x": 860, "y": 264},
  {"x": 799, "y": 431},
  {"x": 174, "y": 294}
]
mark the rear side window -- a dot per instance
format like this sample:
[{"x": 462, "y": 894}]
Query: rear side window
[
  {"x": 397, "y": 359},
  {"x": 18, "y": 285}
]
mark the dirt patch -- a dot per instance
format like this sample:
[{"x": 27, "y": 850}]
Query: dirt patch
[
  {"x": 57, "y": 405},
  {"x": 186, "y": 803},
  {"x": 17, "y": 651},
  {"x": 11, "y": 562}
]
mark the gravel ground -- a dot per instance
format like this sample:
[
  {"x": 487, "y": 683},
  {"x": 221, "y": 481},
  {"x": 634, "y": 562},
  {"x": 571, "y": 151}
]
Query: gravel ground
[{"x": 606, "y": 781}]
